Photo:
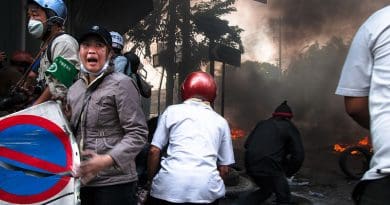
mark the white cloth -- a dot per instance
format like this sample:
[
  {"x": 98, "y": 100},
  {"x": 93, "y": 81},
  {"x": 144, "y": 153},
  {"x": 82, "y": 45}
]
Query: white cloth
[
  {"x": 120, "y": 63},
  {"x": 198, "y": 139},
  {"x": 366, "y": 72}
]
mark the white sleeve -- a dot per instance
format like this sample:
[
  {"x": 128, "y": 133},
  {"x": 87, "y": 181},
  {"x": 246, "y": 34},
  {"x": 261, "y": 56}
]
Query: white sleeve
[
  {"x": 356, "y": 74},
  {"x": 225, "y": 151},
  {"x": 161, "y": 135}
]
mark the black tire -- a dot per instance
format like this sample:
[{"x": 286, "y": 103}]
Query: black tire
[{"x": 355, "y": 165}]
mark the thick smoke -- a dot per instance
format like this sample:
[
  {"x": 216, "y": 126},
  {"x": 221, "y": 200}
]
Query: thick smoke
[
  {"x": 256, "y": 89},
  {"x": 306, "y": 21},
  {"x": 303, "y": 22},
  {"x": 315, "y": 40}
]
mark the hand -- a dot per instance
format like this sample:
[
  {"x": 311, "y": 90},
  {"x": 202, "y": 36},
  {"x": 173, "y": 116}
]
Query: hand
[
  {"x": 89, "y": 168},
  {"x": 223, "y": 171},
  {"x": 67, "y": 110},
  {"x": 65, "y": 107}
]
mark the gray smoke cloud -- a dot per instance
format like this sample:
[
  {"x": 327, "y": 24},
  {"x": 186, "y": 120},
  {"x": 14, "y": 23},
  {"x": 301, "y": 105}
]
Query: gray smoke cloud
[
  {"x": 305, "y": 21},
  {"x": 312, "y": 70}
]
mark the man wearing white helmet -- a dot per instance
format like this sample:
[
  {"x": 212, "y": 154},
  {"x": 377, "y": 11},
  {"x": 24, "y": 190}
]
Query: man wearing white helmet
[
  {"x": 46, "y": 22},
  {"x": 119, "y": 60}
]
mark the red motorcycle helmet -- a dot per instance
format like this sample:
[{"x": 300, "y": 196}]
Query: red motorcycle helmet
[{"x": 199, "y": 84}]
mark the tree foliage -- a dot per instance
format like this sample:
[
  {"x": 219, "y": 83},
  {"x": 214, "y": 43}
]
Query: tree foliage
[{"x": 205, "y": 24}]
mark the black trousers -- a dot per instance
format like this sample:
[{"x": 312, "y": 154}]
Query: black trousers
[
  {"x": 268, "y": 185},
  {"x": 372, "y": 192},
  {"x": 107, "y": 195},
  {"x": 156, "y": 201}
]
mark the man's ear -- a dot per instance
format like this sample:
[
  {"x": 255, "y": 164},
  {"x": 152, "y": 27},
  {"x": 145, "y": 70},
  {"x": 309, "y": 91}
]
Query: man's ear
[{"x": 110, "y": 53}]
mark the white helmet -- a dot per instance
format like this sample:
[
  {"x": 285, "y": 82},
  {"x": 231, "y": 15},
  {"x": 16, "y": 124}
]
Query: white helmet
[{"x": 117, "y": 40}]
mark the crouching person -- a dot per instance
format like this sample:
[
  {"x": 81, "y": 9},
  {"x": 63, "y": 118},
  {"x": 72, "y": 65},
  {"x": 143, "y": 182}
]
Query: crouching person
[
  {"x": 199, "y": 148},
  {"x": 108, "y": 122},
  {"x": 273, "y": 152}
]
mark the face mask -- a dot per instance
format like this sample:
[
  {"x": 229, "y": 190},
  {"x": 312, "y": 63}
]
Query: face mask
[
  {"x": 35, "y": 28},
  {"x": 104, "y": 68}
]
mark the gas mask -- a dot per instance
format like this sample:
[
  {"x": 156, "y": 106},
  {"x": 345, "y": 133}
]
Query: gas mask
[{"x": 35, "y": 28}]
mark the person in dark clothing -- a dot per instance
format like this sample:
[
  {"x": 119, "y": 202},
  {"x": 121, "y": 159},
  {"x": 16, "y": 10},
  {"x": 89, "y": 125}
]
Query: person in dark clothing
[{"x": 274, "y": 151}]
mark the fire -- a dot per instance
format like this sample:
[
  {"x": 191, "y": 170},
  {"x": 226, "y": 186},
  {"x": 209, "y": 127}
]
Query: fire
[
  {"x": 338, "y": 148},
  {"x": 237, "y": 133},
  {"x": 362, "y": 142}
]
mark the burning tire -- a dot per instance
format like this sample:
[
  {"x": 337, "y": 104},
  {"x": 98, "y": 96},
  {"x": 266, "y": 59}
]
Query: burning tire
[{"x": 354, "y": 161}]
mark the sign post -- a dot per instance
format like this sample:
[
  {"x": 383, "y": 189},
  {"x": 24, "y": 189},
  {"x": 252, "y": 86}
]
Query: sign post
[{"x": 225, "y": 54}]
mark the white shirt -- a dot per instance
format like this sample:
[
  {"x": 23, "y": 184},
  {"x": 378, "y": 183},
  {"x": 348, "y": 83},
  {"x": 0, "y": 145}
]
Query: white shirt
[
  {"x": 366, "y": 72},
  {"x": 199, "y": 139},
  {"x": 67, "y": 47}
]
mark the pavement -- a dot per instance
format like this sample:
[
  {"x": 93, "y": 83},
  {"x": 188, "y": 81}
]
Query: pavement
[
  {"x": 323, "y": 188},
  {"x": 236, "y": 195}
]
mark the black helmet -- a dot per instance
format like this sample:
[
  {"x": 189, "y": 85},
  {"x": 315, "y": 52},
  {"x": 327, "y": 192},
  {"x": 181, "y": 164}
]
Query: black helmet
[
  {"x": 97, "y": 31},
  {"x": 283, "y": 110}
]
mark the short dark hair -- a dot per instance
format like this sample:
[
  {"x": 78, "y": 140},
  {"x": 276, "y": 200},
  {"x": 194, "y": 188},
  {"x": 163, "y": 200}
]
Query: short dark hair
[{"x": 53, "y": 18}]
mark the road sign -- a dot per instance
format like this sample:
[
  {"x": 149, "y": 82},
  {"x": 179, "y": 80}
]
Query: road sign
[
  {"x": 35, "y": 152},
  {"x": 220, "y": 52}
]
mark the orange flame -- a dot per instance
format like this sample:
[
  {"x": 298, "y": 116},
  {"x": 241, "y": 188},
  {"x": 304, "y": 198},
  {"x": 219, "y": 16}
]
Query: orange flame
[
  {"x": 237, "y": 133},
  {"x": 362, "y": 142},
  {"x": 338, "y": 148}
]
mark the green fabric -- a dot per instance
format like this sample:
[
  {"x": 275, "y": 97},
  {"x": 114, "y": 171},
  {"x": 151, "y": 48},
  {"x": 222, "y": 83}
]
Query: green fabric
[{"x": 63, "y": 71}]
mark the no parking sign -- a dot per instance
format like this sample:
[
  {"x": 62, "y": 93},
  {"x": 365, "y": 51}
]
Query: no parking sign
[{"x": 36, "y": 149}]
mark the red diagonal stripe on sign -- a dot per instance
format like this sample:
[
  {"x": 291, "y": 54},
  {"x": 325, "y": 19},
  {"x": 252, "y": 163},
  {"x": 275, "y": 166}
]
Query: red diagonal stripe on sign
[{"x": 30, "y": 160}]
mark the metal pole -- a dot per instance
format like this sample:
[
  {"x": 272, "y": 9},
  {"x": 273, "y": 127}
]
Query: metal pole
[
  {"x": 23, "y": 29},
  {"x": 280, "y": 41},
  {"x": 159, "y": 92},
  {"x": 223, "y": 90},
  {"x": 212, "y": 68}
]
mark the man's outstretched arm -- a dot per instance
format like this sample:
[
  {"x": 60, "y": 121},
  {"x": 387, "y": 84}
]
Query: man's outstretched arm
[
  {"x": 153, "y": 162},
  {"x": 357, "y": 109}
]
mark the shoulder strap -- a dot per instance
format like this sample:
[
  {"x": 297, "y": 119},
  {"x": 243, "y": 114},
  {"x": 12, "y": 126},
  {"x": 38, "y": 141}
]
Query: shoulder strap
[
  {"x": 144, "y": 88},
  {"x": 127, "y": 66},
  {"x": 86, "y": 99},
  {"x": 48, "y": 50}
]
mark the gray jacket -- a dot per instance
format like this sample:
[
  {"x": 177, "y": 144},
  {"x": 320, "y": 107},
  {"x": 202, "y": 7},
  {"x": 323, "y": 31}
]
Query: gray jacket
[{"x": 112, "y": 122}]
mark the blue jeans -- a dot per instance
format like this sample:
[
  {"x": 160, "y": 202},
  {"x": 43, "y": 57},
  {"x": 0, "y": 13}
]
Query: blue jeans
[{"x": 115, "y": 194}]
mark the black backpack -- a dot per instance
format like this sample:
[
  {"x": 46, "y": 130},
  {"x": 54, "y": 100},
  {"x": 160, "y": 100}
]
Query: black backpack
[{"x": 133, "y": 63}]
